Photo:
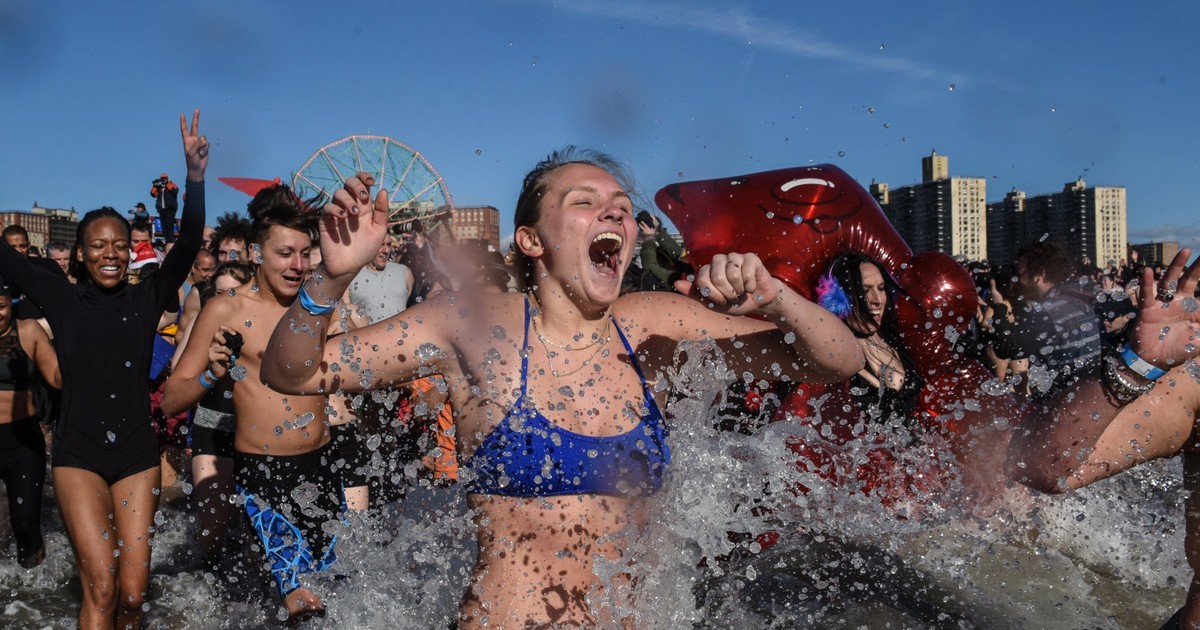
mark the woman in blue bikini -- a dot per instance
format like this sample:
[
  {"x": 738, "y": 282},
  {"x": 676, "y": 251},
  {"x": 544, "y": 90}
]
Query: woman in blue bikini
[{"x": 559, "y": 435}]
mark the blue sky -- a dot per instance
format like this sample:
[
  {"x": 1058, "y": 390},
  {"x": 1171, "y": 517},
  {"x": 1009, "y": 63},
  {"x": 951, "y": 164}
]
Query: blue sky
[{"x": 1026, "y": 94}]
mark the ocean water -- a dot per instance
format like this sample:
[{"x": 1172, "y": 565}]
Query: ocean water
[{"x": 1108, "y": 556}]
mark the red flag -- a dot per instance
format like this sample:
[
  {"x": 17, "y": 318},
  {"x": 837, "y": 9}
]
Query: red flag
[{"x": 248, "y": 185}]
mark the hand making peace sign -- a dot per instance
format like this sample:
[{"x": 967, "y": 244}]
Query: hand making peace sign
[{"x": 195, "y": 147}]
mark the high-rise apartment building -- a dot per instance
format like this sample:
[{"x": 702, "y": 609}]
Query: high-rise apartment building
[
  {"x": 1006, "y": 228},
  {"x": 1089, "y": 222},
  {"x": 942, "y": 213}
]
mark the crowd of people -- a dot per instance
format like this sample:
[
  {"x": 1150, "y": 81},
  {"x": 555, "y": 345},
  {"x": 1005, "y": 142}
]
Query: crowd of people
[{"x": 316, "y": 348}]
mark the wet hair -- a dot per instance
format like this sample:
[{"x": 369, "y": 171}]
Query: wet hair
[
  {"x": 15, "y": 229},
  {"x": 845, "y": 272},
  {"x": 278, "y": 206},
  {"x": 229, "y": 225},
  {"x": 106, "y": 212},
  {"x": 239, "y": 270},
  {"x": 1046, "y": 258},
  {"x": 529, "y": 209}
]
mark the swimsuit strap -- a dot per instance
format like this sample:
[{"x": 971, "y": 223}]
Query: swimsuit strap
[
  {"x": 632, "y": 358},
  {"x": 525, "y": 352}
]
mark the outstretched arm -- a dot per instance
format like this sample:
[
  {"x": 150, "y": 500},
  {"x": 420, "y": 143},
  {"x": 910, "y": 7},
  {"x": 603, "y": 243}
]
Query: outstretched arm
[
  {"x": 179, "y": 260},
  {"x": 300, "y": 358},
  {"x": 1105, "y": 424},
  {"x": 798, "y": 339}
]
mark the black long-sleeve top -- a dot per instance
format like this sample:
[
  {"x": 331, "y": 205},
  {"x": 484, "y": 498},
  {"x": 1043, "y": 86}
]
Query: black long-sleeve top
[{"x": 104, "y": 338}]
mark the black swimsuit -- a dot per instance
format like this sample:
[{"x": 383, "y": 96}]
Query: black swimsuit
[
  {"x": 104, "y": 340},
  {"x": 902, "y": 403},
  {"x": 22, "y": 453}
]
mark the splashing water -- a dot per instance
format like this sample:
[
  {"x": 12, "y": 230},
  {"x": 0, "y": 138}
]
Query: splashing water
[{"x": 1108, "y": 556}]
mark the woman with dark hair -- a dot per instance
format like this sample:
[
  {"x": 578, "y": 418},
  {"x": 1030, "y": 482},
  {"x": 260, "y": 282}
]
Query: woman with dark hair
[
  {"x": 559, "y": 433},
  {"x": 105, "y": 455},
  {"x": 859, "y": 291},
  {"x": 25, "y": 350}
]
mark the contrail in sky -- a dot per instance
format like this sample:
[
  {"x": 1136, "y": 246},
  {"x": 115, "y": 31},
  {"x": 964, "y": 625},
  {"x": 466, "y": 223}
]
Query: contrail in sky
[{"x": 743, "y": 26}]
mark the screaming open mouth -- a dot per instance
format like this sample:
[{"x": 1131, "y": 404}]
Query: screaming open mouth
[{"x": 605, "y": 252}]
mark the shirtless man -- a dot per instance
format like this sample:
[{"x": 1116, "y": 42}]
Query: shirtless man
[
  {"x": 1142, "y": 404},
  {"x": 282, "y": 442}
]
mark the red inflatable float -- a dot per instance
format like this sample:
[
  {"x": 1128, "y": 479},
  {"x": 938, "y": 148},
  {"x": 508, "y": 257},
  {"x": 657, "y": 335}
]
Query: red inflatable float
[{"x": 797, "y": 220}]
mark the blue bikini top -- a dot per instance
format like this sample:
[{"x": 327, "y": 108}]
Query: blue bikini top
[{"x": 527, "y": 455}]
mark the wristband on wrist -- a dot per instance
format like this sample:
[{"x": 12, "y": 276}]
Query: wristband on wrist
[
  {"x": 208, "y": 379},
  {"x": 1121, "y": 388},
  {"x": 1140, "y": 365},
  {"x": 308, "y": 304}
]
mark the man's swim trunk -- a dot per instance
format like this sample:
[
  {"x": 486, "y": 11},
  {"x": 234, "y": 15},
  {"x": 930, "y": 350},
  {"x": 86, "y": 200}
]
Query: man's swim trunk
[{"x": 292, "y": 502}]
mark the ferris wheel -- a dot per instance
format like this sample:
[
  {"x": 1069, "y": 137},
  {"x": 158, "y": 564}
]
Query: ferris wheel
[{"x": 416, "y": 191}]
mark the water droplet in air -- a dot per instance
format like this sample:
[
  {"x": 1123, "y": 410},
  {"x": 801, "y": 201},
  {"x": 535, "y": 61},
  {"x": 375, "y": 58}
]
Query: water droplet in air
[
  {"x": 841, "y": 154},
  {"x": 112, "y": 437},
  {"x": 478, "y": 152},
  {"x": 953, "y": 87},
  {"x": 238, "y": 373}
]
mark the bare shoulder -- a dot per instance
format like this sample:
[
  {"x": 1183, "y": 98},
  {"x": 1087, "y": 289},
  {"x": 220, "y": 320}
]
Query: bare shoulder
[
  {"x": 464, "y": 313},
  {"x": 223, "y": 304},
  {"x": 31, "y": 331}
]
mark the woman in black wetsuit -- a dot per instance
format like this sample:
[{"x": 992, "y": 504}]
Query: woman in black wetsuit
[
  {"x": 858, "y": 290},
  {"x": 24, "y": 351},
  {"x": 105, "y": 455}
]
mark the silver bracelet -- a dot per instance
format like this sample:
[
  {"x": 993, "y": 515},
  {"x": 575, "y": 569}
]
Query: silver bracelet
[{"x": 1122, "y": 388}]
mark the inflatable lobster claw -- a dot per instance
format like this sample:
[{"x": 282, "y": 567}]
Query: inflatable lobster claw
[{"x": 799, "y": 219}]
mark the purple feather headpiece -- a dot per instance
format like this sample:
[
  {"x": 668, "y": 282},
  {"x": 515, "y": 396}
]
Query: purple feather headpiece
[{"x": 832, "y": 297}]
